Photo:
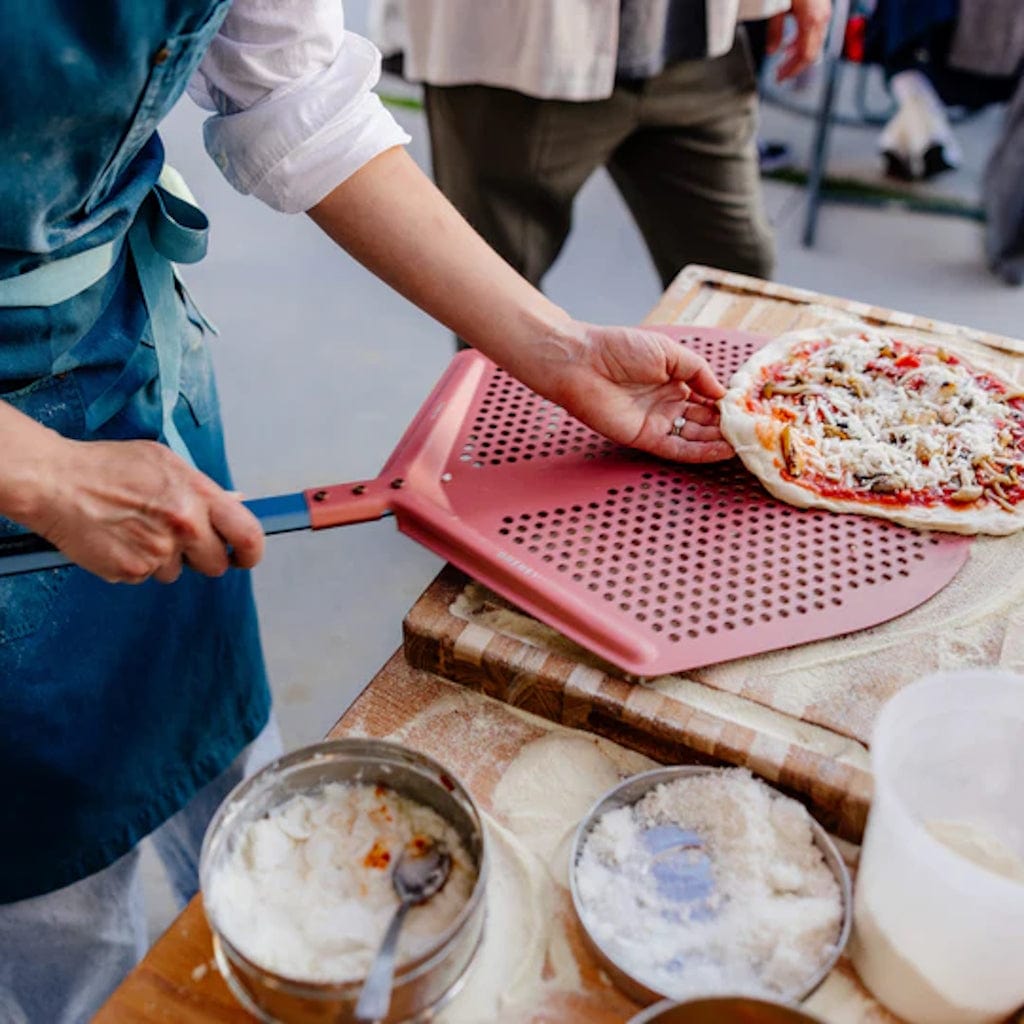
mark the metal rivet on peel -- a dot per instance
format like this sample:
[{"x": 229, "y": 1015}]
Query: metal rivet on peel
[
  {"x": 446, "y": 478},
  {"x": 359, "y": 489},
  {"x": 319, "y": 495},
  {"x": 397, "y": 483}
]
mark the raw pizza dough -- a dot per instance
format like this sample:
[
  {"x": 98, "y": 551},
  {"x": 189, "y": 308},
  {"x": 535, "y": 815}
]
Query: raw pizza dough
[{"x": 878, "y": 423}]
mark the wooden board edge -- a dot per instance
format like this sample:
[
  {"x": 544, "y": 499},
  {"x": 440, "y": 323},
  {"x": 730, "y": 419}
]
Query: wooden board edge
[
  {"x": 562, "y": 691},
  {"x": 690, "y": 281}
]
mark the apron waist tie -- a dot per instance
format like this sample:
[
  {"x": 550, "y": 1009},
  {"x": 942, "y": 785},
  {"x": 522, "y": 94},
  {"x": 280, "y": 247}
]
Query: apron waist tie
[{"x": 169, "y": 228}]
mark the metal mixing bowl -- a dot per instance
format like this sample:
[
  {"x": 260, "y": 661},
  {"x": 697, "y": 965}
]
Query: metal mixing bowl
[
  {"x": 629, "y": 792},
  {"x": 422, "y": 983},
  {"x": 726, "y": 1010}
]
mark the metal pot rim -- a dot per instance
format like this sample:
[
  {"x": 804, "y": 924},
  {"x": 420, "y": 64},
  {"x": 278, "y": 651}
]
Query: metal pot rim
[
  {"x": 650, "y": 1014},
  {"x": 632, "y": 789},
  {"x": 351, "y": 749}
]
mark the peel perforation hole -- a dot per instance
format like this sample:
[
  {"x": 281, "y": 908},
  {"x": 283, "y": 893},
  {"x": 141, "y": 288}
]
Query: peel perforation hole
[
  {"x": 513, "y": 424},
  {"x": 685, "y": 553},
  {"x": 698, "y": 554}
]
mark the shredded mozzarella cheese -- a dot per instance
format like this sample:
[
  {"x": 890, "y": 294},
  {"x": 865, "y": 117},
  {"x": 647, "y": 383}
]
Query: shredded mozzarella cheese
[{"x": 879, "y": 415}]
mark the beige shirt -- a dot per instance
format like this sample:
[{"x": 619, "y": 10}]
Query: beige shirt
[{"x": 551, "y": 49}]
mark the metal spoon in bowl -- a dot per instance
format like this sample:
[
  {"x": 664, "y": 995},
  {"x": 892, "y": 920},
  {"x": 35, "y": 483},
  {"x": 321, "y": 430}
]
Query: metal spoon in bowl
[{"x": 420, "y": 873}]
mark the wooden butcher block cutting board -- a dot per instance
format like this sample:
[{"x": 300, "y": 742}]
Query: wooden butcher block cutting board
[{"x": 801, "y": 717}]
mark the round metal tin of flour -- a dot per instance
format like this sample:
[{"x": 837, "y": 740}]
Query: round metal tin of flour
[
  {"x": 421, "y": 984},
  {"x": 628, "y": 793}
]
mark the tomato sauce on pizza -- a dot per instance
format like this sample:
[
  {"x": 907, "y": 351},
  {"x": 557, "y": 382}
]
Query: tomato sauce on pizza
[{"x": 866, "y": 420}]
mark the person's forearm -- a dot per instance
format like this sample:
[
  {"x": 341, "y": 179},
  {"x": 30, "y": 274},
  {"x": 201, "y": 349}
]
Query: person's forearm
[
  {"x": 26, "y": 448},
  {"x": 393, "y": 219},
  {"x": 637, "y": 387}
]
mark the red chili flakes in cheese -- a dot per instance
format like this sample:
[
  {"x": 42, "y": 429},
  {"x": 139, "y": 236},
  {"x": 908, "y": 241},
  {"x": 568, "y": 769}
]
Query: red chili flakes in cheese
[{"x": 378, "y": 857}]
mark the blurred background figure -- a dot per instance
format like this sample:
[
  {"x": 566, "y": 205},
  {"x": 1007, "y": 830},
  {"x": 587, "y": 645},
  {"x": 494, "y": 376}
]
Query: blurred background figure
[
  {"x": 525, "y": 100},
  {"x": 967, "y": 54}
]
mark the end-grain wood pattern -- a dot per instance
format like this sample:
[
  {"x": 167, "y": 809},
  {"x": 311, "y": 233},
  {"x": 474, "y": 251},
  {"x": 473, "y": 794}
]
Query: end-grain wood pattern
[
  {"x": 571, "y": 688},
  {"x": 706, "y": 296}
]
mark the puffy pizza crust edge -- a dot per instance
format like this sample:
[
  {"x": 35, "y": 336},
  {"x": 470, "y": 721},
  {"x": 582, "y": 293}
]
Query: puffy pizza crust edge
[{"x": 739, "y": 427}]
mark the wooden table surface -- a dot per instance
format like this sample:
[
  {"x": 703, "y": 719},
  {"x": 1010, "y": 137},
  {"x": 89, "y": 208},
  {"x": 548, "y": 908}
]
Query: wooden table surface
[{"x": 479, "y": 737}]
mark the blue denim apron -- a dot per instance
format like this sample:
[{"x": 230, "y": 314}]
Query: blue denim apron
[{"x": 118, "y": 702}]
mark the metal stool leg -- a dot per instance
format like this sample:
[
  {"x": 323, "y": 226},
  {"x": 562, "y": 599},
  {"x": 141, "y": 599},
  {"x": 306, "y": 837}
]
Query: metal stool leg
[{"x": 820, "y": 150}]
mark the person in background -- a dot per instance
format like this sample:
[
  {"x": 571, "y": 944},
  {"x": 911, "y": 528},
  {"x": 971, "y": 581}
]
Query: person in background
[
  {"x": 129, "y": 709},
  {"x": 525, "y": 100},
  {"x": 957, "y": 53},
  {"x": 937, "y": 54}
]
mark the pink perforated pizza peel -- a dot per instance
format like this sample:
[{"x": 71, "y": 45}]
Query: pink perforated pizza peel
[{"x": 656, "y": 567}]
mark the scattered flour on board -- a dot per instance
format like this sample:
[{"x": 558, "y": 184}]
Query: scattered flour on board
[
  {"x": 841, "y": 1000},
  {"x": 507, "y": 973},
  {"x": 968, "y": 622},
  {"x": 552, "y": 783},
  {"x": 774, "y": 909}
]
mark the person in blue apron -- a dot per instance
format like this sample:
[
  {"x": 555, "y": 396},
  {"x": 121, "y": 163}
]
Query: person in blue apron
[{"x": 132, "y": 710}]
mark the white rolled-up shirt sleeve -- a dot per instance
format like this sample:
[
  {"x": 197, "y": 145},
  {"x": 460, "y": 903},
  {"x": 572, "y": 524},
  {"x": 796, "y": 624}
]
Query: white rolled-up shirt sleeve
[{"x": 294, "y": 110}]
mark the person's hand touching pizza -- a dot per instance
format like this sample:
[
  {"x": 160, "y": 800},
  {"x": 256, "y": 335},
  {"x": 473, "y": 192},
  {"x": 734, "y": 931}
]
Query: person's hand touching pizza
[
  {"x": 639, "y": 388},
  {"x": 634, "y": 385}
]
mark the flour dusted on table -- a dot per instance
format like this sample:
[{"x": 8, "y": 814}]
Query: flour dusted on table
[
  {"x": 306, "y": 891},
  {"x": 547, "y": 789},
  {"x": 507, "y": 972},
  {"x": 770, "y": 913}
]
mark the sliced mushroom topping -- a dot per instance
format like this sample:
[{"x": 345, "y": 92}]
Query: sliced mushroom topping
[
  {"x": 997, "y": 488},
  {"x": 996, "y": 494},
  {"x": 967, "y": 494},
  {"x": 794, "y": 464},
  {"x": 1002, "y": 479},
  {"x": 887, "y": 484}
]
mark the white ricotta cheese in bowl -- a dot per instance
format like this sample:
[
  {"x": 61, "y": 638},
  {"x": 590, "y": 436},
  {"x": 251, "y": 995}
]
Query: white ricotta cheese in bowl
[{"x": 306, "y": 890}]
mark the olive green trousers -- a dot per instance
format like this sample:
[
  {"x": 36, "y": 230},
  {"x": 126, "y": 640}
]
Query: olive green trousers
[{"x": 680, "y": 147}]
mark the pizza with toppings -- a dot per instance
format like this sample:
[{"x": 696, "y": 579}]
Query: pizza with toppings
[{"x": 869, "y": 421}]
